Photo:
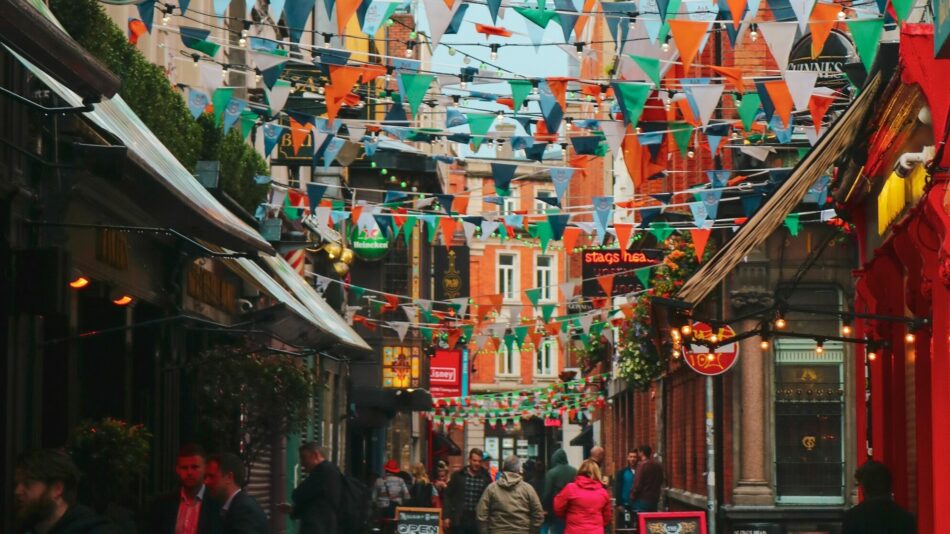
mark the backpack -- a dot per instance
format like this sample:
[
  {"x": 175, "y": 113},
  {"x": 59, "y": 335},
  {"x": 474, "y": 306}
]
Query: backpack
[{"x": 354, "y": 504}]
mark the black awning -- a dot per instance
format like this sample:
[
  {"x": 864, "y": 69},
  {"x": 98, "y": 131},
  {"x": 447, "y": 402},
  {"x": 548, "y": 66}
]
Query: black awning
[
  {"x": 585, "y": 438},
  {"x": 36, "y": 37},
  {"x": 442, "y": 445},
  {"x": 391, "y": 400}
]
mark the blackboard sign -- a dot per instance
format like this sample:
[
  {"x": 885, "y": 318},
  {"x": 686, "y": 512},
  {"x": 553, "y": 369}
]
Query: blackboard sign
[
  {"x": 672, "y": 523},
  {"x": 418, "y": 521}
]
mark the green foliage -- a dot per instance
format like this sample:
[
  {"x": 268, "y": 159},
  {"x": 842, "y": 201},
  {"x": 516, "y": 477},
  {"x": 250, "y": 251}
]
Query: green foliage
[
  {"x": 250, "y": 398},
  {"x": 146, "y": 89},
  {"x": 111, "y": 455}
]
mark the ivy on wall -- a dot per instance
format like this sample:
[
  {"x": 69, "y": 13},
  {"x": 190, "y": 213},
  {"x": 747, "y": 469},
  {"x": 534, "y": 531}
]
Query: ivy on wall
[{"x": 145, "y": 87}]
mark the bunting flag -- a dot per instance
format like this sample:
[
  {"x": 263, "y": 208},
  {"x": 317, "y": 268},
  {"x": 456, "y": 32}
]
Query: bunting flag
[
  {"x": 147, "y": 13},
  {"x": 688, "y": 35},
  {"x": 749, "y": 108},
  {"x": 198, "y": 101},
  {"x": 681, "y": 133},
  {"x": 792, "y": 223},
  {"x": 479, "y": 124},
  {"x": 416, "y": 86},
  {"x": 221, "y": 7},
  {"x": 558, "y": 225},
  {"x": 705, "y": 98},
  {"x": 866, "y": 34},
  {"x": 818, "y": 106},
  {"x": 734, "y": 75},
  {"x": 565, "y": 19},
  {"x": 643, "y": 276},
  {"x": 233, "y": 112},
  {"x": 561, "y": 177},
  {"x": 802, "y": 10},
  {"x": 781, "y": 99},
  {"x": 377, "y": 13},
  {"x": 271, "y": 133},
  {"x": 520, "y": 89},
  {"x": 439, "y": 14},
  {"x": 220, "y": 100},
  {"x": 197, "y": 39},
  {"x": 737, "y": 9},
  {"x": 276, "y": 8},
  {"x": 650, "y": 66},
  {"x": 623, "y": 230},
  {"x": 493, "y": 7},
  {"x": 277, "y": 95},
  {"x": 800, "y": 84},
  {"x": 699, "y": 237},
  {"x": 780, "y": 37},
  {"x": 296, "y": 14},
  {"x": 503, "y": 174},
  {"x": 136, "y": 29},
  {"x": 603, "y": 208},
  {"x": 903, "y": 8},
  {"x": 632, "y": 97},
  {"x": 823, "y": 20}
]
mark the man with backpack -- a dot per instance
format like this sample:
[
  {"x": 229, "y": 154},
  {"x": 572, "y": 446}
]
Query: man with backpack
[{"x": 317, "y": 499}]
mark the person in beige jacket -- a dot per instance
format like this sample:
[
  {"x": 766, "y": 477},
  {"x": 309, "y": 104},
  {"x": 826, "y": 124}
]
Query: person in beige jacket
[{"x": 510, "y": 505}]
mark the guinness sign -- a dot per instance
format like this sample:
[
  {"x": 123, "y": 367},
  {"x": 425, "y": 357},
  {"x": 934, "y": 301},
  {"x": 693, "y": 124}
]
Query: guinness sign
[{"x": 837, "y": 52}]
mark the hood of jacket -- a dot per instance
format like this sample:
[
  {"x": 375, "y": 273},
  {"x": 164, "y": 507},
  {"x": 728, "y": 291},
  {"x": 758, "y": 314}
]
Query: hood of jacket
[
  {"x": 559, "y": 458},
  {"x": 587, "y": 483},
  {"x": 80, "y": 520},
  {"x": 509, "y": 480}
]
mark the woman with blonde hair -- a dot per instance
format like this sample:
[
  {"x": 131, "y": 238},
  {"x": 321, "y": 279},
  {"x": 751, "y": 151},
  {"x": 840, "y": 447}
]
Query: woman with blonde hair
[
  {"x": 584, "y": 504},
  {"x": 422, "y": 494}
]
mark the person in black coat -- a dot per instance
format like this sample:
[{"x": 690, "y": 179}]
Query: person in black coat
[
  {"x": 242, "y": 514},
  {"x": 45, "y": 482},
  {"x": 317, "y": 498},
  {"x": 190, "y": 497},
  {"x": 877, "y": 513}
]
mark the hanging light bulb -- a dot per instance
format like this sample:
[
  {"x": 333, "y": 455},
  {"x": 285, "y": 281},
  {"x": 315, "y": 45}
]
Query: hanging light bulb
[
  {"x": 666, "y": 44},
  {"x": 463, "y": 85},
  {"x": 690, "y": 154},
  {"x": 410, "y": 46},
  {"x": 326, "y": 40},
  {"x": 534, "y": 87},
  {"x": 451, "y": 51},
  {"x": 580, "y": 51},
  {"x": 257, "y": 76},
  {"x": 846, "y": 329},
  {"x": 713, "y": 338},
  {"x": 780, "y": 323},
  {"x": 242, "y": 42},
  {"x": 165, "y": 19},
  {"x": 632, "y": 22},
  {"x": 754, "y": 33},
  {"x": 687, "y": 329},
  {"x": 494, "y": 51},
  {"x": 195, "y": 58},
  {"x": 910, "y": 337},
  {"x": 224, "y": 72},
  {"x": 764, "y": 344},
  {"x": 167, "y": 15},
  {"x": 820, "y": 347},
  {"x": 842, "y": 15},
  {"x": 872, "y": 355}
]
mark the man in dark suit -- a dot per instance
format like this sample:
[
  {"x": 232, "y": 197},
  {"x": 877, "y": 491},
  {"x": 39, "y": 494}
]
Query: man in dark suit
[
  {"x": 190, "y": 509},
  {"x": 242, "y": 514},
  {"x": 317, "y": 498}
]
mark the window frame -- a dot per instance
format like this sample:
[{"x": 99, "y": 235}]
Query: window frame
[
  {"x": 514, "y": 355},
  {"x": 548, "y": 291},
  {"x": 554, "y": 347},
  {"x": 515, "y": 271}
]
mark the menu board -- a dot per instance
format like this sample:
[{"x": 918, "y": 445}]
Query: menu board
[
  {"x": 672, "y": 522},
  {"x": 418, "y": 520}
]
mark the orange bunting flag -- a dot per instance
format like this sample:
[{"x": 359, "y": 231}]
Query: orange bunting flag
[
  {"x": 137, "y": 29},
  {"x": 818, "y": 105},
  {"x": 700, "y": 237},
  {"x": 298, "y": 134},
  {"x": 371, "y": 72},
  {"x": 453, "y": 337},
  {"x": 627, "y": 310},
  {"x": 582, "y": 20},
  {"x": 822, "y": 21},
  {"x": 496, "y": 302},
  {"x": 623, "y": 234},
  {"x": 569, "y": 238},
  {"x": 606, "y": 283},
  {"x": 356, "y": 212},
  {"x": 541, "y": 133},
  {"x": 781, "y": 99},
  {"x": 737, "y": 9},
  {"x": 732, "y": 74},
  {"x": 460, "y": 205},
  {"x": 447, "y": 225},
  {"x": 342, "y": 81},
  {"x": 492, "y": 30},
  {"x": 558, "y": 88},
  {"x": 345, "y": 9},
  {"x": 688, "y": 35},
  {"x": 392, "y": 302}
]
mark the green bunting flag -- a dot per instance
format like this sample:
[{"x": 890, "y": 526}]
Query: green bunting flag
[
  {"x": 357, "y": 292},
  {"x": 596, "y": 329},
  {"x": 416, "y": 85},
  {"x": 220, "y": 101},
  {"x": 467, "y": 332},
  {"x": 632, "y": 96},
  {"x": 643, "y": 275},
  {"x": 650, "y": 66},
  {"x": 547, "y": 310},
  {"x": 521, "y": 332},
  {"x": 792, "y": 222},
  {"x": 479, "y": 124},
  {"x": 520, "y": 89},
  {"x": 426, "y": 333},
  {"x": 533, "y": 295},
  {"x": 661, "y": 230},
  {"x": 748, "y": 109},
  {"x": 866, "y": 34},
  {"x": 902, "y": 8},
  {"x": 509, "y": 342},
  {"x": 541, "y": 17},
  {"x": 544, "y": 233},
  {"x": 248, "y": 120},
  {"x": 407, "y": 229},
  {"x": 681, "y": 131}
]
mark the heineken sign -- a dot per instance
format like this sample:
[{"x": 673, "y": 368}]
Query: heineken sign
[
  {"x": 370, "y": 245},
  {"x": 838, "y": 51}
]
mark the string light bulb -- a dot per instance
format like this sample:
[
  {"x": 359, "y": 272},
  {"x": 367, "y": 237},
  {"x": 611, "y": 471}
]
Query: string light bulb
[
  {"x": 764, "y": 344},
  {"x": 820, "y": 347},
  {"x": 79, "y": 283},
  {"x": 872, "y": 355},
  {"x": 690, "y": 154},
  {"x": 780, "y": 323},
  {"x": 580, "y": 51},
  {"x": 713, "y": 338},
  {"x": 910, "y": 337},
  {"x": 754, "y": 33},
  {"x": 666, "y": 44},
  {"x": 687, "y": 330},
  {"x": 494, "y": 51},
  {"x": 632, "y": 22},
  {"x": 846, "y": 329},
  {"x": 842, "y": 15},
  {"x": 326, "y": 40}
]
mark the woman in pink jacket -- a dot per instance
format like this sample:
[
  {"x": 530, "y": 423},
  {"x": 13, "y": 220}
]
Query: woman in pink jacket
[{"x": 584, "y": 504}]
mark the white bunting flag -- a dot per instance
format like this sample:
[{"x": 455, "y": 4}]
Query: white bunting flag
[
  {"x": 779, "y": 36},
  {"x": 801, "y": 84}
]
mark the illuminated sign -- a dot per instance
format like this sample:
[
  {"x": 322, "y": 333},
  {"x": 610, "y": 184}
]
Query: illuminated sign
[
  {"x": 620, "y": 263},
  {"x": 401, "y": 367},
  {"x": 445, "y": 374},
  {"x": 370, "y": 246},
  {"x": 698, "y": 357}
]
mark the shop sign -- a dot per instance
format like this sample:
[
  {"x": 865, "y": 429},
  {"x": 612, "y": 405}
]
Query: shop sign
[
  {"x": 208, "y": 288},
  {"x": 621, "y": 263},
  {"x": 757, "y": 528},
  {"x": 112, "y": 248},
  {"x": 451, "y": 272},
  {"x": 445, "y": 374},
  {"x": 371, "y": 245},
  {"x": 418, "y": 520},
  {"x": 698, "y": 357},
  {"x": 838, "y": 51},
  {"x": 942, "y": 29},
  {"x": 673, "y": 522}
]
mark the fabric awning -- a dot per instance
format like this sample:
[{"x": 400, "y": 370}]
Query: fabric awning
[
  {"x": 28, "y": 27},
  {"x": 773, "y": 212},
  {"x": 146, "y": 151},
  {"x": 324, "y": 314}
]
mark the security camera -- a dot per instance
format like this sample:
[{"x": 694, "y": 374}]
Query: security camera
[{"x": 245, "y": 305}]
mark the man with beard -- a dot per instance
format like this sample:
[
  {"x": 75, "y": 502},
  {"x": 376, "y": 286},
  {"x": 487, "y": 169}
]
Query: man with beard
[
  {"x": 225, "y": 479},
  {"x": 45, "y": 483},
  {"x": 188, "y": 510}
]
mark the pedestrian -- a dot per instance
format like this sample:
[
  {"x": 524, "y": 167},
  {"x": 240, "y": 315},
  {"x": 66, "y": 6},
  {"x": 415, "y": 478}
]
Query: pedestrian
[
  {"x": 598, "y": 454},
  {"x": 877, "y": 513},
  {"x": 463, "y": 493},
  {"x": 316, "y": 499},
  {"x": 584, "y": 504},
  {"x": 558, "y": 476},
  {"x": 441, "y": 480},
  {"x": 510, "y": 505},
  {"x": 534, "y": 475},
  {"x": 422, "y": 493},
  {"x": 389, "y": 491},
  {"x": 44, "y": 497},
  {"x": 623, "y": 485},
  {"x": 189, "y": 509},
  {"x": 645, "y": 496},
  {"x": 225, "y": 477}
]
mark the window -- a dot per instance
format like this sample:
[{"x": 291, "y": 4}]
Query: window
[
  {"x": 508, "y": 363},
  {"x": 509, "y": 205},
  {"x": 541, "y": 207},
  {"x": 809, "y": 406},
  {"x": 508, "y": 276},
  {"x": 544, "y": 278},
  {"x": 546, "y": 362}
]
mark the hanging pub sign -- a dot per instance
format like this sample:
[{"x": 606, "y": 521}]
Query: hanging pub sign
[
  {"x": 451, "y": 272},
  {"x": 672, "y": 522},
  {"x": 838, "y": 51},
  {"x": 445, "y": 374},
  {"x": 621, "y": 263},
  {"x": 704, "y": 362},
  {"x": 370, "y": 245}
]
